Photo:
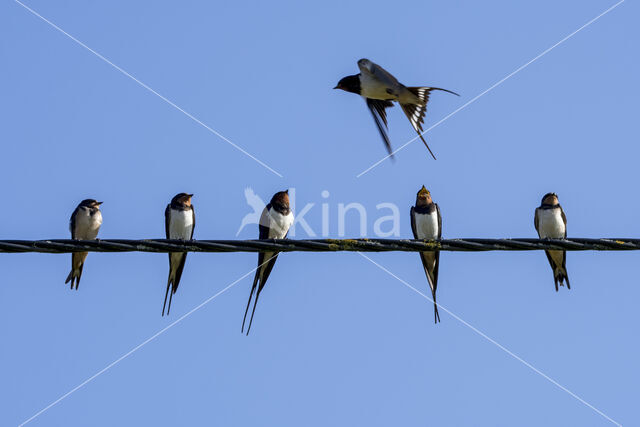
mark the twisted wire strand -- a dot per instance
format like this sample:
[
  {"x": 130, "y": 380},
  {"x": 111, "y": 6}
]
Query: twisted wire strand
[{"x": 316, "y": 245}]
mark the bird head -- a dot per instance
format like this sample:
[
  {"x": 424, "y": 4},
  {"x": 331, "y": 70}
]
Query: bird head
[
  {"x": 550, "y": 199},
  {"x": 349, "y": 84},
  {"x": 281, "y": 198},
  {"x": 90, "y": 203},
  {"x": 423, "y": 197},
  {"x": 182, "y": 199}
]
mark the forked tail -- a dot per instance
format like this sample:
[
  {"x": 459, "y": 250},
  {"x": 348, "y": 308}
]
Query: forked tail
[
  {"x": 166, "y": 294},
  {"x": 77, "y": 262},
  {"x": 253, "y": 288},
  {"x": 416, "y": 112},
  {"x": 560, "y": 276},
  {"x": 435, "y": 309}
]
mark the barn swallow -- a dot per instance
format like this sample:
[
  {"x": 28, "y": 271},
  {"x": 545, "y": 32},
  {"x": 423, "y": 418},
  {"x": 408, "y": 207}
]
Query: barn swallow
[
  {"x": 379, "y": 88},
  {"x": 426, "y": 223},
  {"x": 84, "y": 224},
  {"x": 275, "y": 221},
  {"x": 179, "y": 222},
  {"x": 551, "y": 223}
]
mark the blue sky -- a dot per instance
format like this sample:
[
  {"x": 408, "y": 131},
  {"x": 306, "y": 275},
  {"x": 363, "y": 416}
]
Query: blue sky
[{"x": 336, "y": 340}]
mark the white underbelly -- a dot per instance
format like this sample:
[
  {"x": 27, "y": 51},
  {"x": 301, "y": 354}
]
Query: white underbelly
[
  {"x": 181, "y": 224},
  {"x": 279, "y": 224},
  {"x": 427, "y": 226},
  {"x": 550, "y": 224},
  {"x": 87, "y": 226}
]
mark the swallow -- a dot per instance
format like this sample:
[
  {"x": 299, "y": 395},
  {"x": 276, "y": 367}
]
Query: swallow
[
  {"x": 551, "y": 223},
  {"x": 179, "y": 222},
  {"x": 426, "y": 224},
  {"x": 379, "y": 89},
  {"x": 275, "y": 221},
  {"x": 84, "y": 224}
]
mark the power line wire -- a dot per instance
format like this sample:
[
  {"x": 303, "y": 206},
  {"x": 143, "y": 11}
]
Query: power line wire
[{"x": 316, "y": 245}]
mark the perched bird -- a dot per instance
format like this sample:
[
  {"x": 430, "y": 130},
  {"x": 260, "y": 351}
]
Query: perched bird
[
  {"x": 85, "y": 223},
  {"x": 551, "y": 223},
  {"x": 426, "y": 223},
  {"x": 179, "y": 222},
  {"x": 380, "y": 89},
  {"x": 275, "y": 221}
]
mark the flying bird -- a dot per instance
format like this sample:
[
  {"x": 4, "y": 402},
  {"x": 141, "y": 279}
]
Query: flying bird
[
  {"x": 551, "y": 223},
  {"x": 85, "y": 223},
  {"x": 179, "y": 222},
  {"x": 426, "y": 223},
  {"x": 275, "y": 221},
  {"x": 379, "y": 88}
]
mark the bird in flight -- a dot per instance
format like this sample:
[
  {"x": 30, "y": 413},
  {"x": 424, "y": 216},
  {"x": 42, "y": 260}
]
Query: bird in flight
[
  {"x": 551, "y": 223},
  {"x": 379, "y": 88},
  {"x": 426, "y": 224},
  {"x": 179, "y": 222},
  {"x": 275, "y": 221},
  {"x": 85, "y": 223}
]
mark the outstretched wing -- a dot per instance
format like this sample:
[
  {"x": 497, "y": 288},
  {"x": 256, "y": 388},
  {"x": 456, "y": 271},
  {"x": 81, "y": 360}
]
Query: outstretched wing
[
  {"x": 377, "y": 108},
  {"x": 378, "y": 73}
]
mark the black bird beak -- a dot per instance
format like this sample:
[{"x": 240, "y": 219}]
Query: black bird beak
[
  {"x": 99, "y": 203},
  {"x": 337, "y": 87}
]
